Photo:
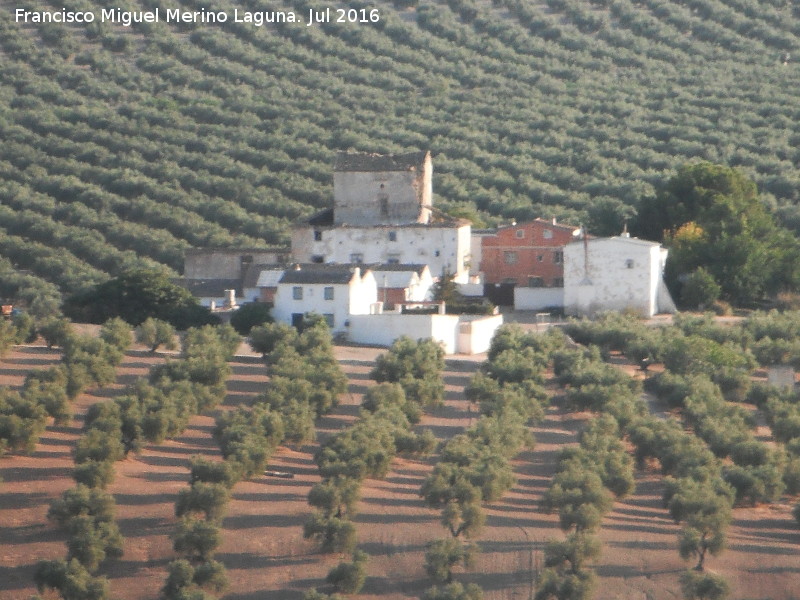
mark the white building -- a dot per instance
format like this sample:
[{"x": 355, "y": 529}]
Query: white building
[
  {"x": 443, "y": 245},
  {"x": 401, "y": 283},
  {"x": 382, "y": 213},
  {"x": 347, "y": 297},
  {"x": 335, "y": 292},
  {"x": 616, "y": 273},
  {"x": 458, "y": 334}
]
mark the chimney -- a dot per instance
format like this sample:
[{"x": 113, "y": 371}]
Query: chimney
[
  {"x": 554, "y": 220},
  {"x": 230, "y": 299}
]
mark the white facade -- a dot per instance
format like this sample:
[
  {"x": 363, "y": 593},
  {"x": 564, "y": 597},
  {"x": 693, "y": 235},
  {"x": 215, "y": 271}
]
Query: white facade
[
  {"x": 327, "y": 293},
  {"x": 476, "y": 250},
  {"x": 617, "y": 273},
  {"x": 457, "y": 334},
  {"x": 443, "y": 247},
  {"x": 416, "y": 282}
]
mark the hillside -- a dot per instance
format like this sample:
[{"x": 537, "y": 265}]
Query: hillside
[{"x": 123, "y": 146}]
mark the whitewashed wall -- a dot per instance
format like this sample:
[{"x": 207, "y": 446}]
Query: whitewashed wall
[
  {"x": 348, "y": 299},
  {"x": 463, "y": 335},
  {"x": 475, "y": 334},
  {"x": 528, "y": 298},
  {"x": 607, "y": 282},
  {"x": 412, "y": 245},
  {"x": 383, "y": 329}
]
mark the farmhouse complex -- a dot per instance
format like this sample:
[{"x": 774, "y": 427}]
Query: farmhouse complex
[{"x": 369, "y": 262}]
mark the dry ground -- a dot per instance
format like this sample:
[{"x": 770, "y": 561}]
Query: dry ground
[{"x": 263, "y": 549}]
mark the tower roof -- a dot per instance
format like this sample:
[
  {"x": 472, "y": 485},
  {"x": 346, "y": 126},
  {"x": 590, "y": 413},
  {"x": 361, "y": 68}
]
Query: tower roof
[{"x": 363, "y": 162}]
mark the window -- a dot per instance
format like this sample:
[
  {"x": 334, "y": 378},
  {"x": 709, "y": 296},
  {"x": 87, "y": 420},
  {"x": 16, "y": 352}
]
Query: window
[
  {"x": 436, "y": 252},
  {"x": 357, "y": 258},
  {"x": 318, "y": 259},
  {"x": 540, "y": 257},
  {"x": 392, "y": 236},
  {"x": 317, "y": 235},
  {"x": 558, "y": 282},
  {"x": 558, "y": 257},
  {"x": 327, "y": 293},
  {"x": 629, "y": 263},
  {"x": 510, "y": 258},
  {"x": 535, "y": 282},
  {"x": 520, "y": 233},
  {"x": 393, "y": 259},
  {"x": 329, "y": 319},
  {"x": 297, "y": 292},
  {"x": 548, "y": 235}
]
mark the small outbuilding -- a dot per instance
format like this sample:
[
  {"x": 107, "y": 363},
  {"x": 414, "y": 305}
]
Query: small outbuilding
[
  {"x": 616, "y": 273},
  {"x": 399, "y": 283}
]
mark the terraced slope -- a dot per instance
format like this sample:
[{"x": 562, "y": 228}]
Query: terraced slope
[{"x": 123, "y": 146}]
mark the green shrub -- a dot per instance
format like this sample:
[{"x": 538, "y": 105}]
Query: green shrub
[
  {"x": 703, "y": 586},
  {"x": 700, "y": 289},
  {"x": 154, "y": 333},
  {"x": 196, "y": 539},
  {"x": 442, "y": 555},
  {"x": 72, "y": 580},
  {"x": 252, "y": 314},
  {"x": 454, "y": 591},
  {"x": 331, "y": 533},
  {"x": 349, "y": 577},
  {"x": 209, "y": 499}
]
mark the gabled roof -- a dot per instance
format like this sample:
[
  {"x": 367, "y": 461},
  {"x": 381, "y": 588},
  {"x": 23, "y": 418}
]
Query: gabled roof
[
  {"x": 323, "y": 218},
  {"x": 254, "y": 274},
  {"x": 542, "y": 222},
  {"x": 624, "y": 240},
  {"x": 210, "y": 288},
  {"x": 362, "y": 162},
  {"x": 554, "y": 224},
  {"x": 397, "y": 267},
  {"x": 397, "y": 275},
  {"x": 269, "y": 278},
  {"x": 328, "y": 274}
]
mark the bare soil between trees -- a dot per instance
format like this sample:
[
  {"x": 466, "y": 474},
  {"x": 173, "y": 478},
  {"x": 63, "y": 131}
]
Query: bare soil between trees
[{"x": 263, "y": 548}]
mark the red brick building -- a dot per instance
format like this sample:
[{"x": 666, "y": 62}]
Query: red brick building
[{"x": 527, "y": 254}]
